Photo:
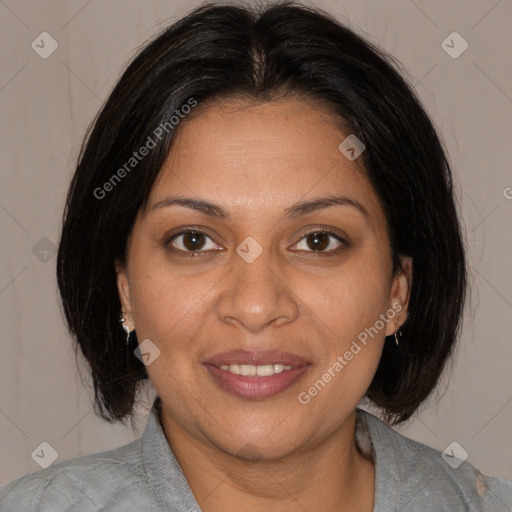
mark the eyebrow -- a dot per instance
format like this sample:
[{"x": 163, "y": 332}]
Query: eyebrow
[{"x": 296, "y": 211}]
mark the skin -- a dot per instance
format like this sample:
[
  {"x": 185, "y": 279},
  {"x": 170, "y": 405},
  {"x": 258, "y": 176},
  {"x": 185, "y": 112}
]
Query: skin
[{"x": 255, "y": 162}]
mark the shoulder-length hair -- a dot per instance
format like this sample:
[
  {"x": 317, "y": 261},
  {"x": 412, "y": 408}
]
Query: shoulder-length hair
[{"x": 261, "y": 54}]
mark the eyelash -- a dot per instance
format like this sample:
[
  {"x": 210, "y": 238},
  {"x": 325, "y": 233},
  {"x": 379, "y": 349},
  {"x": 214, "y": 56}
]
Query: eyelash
[{"x": 181, "y": 252}]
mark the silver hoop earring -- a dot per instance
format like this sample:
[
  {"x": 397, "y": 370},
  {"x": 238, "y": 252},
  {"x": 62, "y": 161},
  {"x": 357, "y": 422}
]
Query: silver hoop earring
[{"x": 399, "y": 333}]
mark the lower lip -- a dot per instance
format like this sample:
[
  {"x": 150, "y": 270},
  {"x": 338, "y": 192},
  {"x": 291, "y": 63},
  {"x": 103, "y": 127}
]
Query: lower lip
[{"x": 256, "y": 387}]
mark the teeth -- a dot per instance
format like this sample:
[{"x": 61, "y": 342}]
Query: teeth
[{"x": 250, "y": 370}]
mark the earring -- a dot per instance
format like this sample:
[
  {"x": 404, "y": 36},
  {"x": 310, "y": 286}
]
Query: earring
[
  {"x": 399, "y": 333},
  {"x": 126, "y": 328},
  {"x": 128, "y": 332}
]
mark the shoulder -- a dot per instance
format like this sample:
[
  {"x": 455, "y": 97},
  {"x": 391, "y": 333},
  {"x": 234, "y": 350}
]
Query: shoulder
[
  {"x": 425, "y": 478},
  {"x": 89, "y": 481}
]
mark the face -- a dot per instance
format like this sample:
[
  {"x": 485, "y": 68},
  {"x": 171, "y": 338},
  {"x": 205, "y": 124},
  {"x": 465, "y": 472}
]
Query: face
[{"x": 239, "y": 264}]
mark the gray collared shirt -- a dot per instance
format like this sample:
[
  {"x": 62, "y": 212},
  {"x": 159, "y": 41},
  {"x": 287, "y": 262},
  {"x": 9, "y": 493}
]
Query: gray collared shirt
[{"x": 145, "y": 476}]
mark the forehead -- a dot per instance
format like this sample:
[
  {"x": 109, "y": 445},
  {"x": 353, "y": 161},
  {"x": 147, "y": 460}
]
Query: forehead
[{"x": 267, "y": 155}]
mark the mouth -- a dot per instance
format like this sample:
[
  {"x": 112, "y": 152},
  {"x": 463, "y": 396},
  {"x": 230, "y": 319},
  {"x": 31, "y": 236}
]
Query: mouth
[
  {"x": 256, "y": 375},
  {"x": 251, "y": 370}
]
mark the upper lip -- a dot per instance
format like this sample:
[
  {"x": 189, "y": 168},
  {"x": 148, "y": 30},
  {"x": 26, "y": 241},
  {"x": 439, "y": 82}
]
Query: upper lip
[{"x": 256, "y": 358}]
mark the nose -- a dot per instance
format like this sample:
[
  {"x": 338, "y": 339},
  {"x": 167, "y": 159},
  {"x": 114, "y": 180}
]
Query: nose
[{"x": 254, "y": 295}]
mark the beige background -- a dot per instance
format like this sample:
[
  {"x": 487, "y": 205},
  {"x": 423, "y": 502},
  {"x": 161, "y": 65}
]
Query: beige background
[{"x": 45, "y": 106}]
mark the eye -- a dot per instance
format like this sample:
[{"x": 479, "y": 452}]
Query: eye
[
  {"x": 192, "y": 242},
  {"x": 321, "y": 242}
]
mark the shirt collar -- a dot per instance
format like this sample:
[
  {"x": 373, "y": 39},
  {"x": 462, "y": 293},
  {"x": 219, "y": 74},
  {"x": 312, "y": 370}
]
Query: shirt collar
[
  {"x": 173, "y": 491},
  {"x": 403, "y": 467},
  {"x": 164, "y": 473},
  {"x": 372, "y": 437}
]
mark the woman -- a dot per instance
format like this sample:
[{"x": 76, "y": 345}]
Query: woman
[{"x": 262, "y": 225}]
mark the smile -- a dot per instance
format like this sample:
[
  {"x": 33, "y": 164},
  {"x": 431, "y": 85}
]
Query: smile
[
  {"x": 250, "y": 370},
  {"x": 255, "y": 382}
]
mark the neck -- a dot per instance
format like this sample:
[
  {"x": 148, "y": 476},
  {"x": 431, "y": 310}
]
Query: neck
[{"x": 332, "y": 473}]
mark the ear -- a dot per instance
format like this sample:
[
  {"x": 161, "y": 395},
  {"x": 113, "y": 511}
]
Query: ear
[
  {"x": 400, "y": 293},
  {"x": 123, "y": 285}
]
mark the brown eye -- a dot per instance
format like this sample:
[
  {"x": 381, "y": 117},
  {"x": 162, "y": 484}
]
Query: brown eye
[
  {"x": 191, "y": 242},
  {"x": 320, "y": 241}
]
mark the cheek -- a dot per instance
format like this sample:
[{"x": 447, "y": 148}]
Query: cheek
[
  {"x": 349, "y": 300},
  {"x": 169, "y": 308},
  {"x": 170, "y": 312},
  {"x": 350, "y": 350},
  {"x": 347, "y": 309},
  {"x": 162, "y": 308}
]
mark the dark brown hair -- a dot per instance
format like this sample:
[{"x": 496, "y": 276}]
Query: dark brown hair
[{"x": 265, "y": 53}]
